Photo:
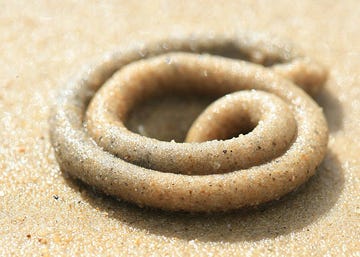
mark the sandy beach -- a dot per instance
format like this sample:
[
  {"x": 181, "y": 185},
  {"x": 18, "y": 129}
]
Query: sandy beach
[{"x": 44, "y": 212}]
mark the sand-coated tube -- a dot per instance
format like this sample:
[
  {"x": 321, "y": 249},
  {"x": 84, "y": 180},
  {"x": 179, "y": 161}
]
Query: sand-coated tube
[{"x": 83, "y": 147}]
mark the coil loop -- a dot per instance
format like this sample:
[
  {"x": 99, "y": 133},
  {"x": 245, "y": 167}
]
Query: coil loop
[{"x": 215, "y": 169}]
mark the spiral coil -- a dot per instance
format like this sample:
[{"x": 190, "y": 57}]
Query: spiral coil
[{"x": 210, "y": 171}]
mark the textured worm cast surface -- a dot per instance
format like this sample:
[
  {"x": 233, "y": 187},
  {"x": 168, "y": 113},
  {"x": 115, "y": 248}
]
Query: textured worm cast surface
[{"x": 215, "y": 169}]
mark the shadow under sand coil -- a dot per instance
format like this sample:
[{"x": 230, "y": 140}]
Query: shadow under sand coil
[{"x": 208, "y": 172}]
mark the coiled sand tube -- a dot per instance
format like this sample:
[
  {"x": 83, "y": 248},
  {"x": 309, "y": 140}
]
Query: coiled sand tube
[{"x": 208, "y": 172}]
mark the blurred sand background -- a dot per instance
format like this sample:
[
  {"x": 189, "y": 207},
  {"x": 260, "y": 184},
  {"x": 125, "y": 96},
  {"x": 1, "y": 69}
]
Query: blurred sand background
[{"x": 45, "y": 213}]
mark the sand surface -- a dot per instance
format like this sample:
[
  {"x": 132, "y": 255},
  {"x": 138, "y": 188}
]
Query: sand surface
[{"x": 43, "y": 212}]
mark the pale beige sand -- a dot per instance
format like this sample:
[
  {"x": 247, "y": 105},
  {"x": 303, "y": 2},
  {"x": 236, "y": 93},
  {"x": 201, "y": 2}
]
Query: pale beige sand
[{"x": 44, "y": 213}]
